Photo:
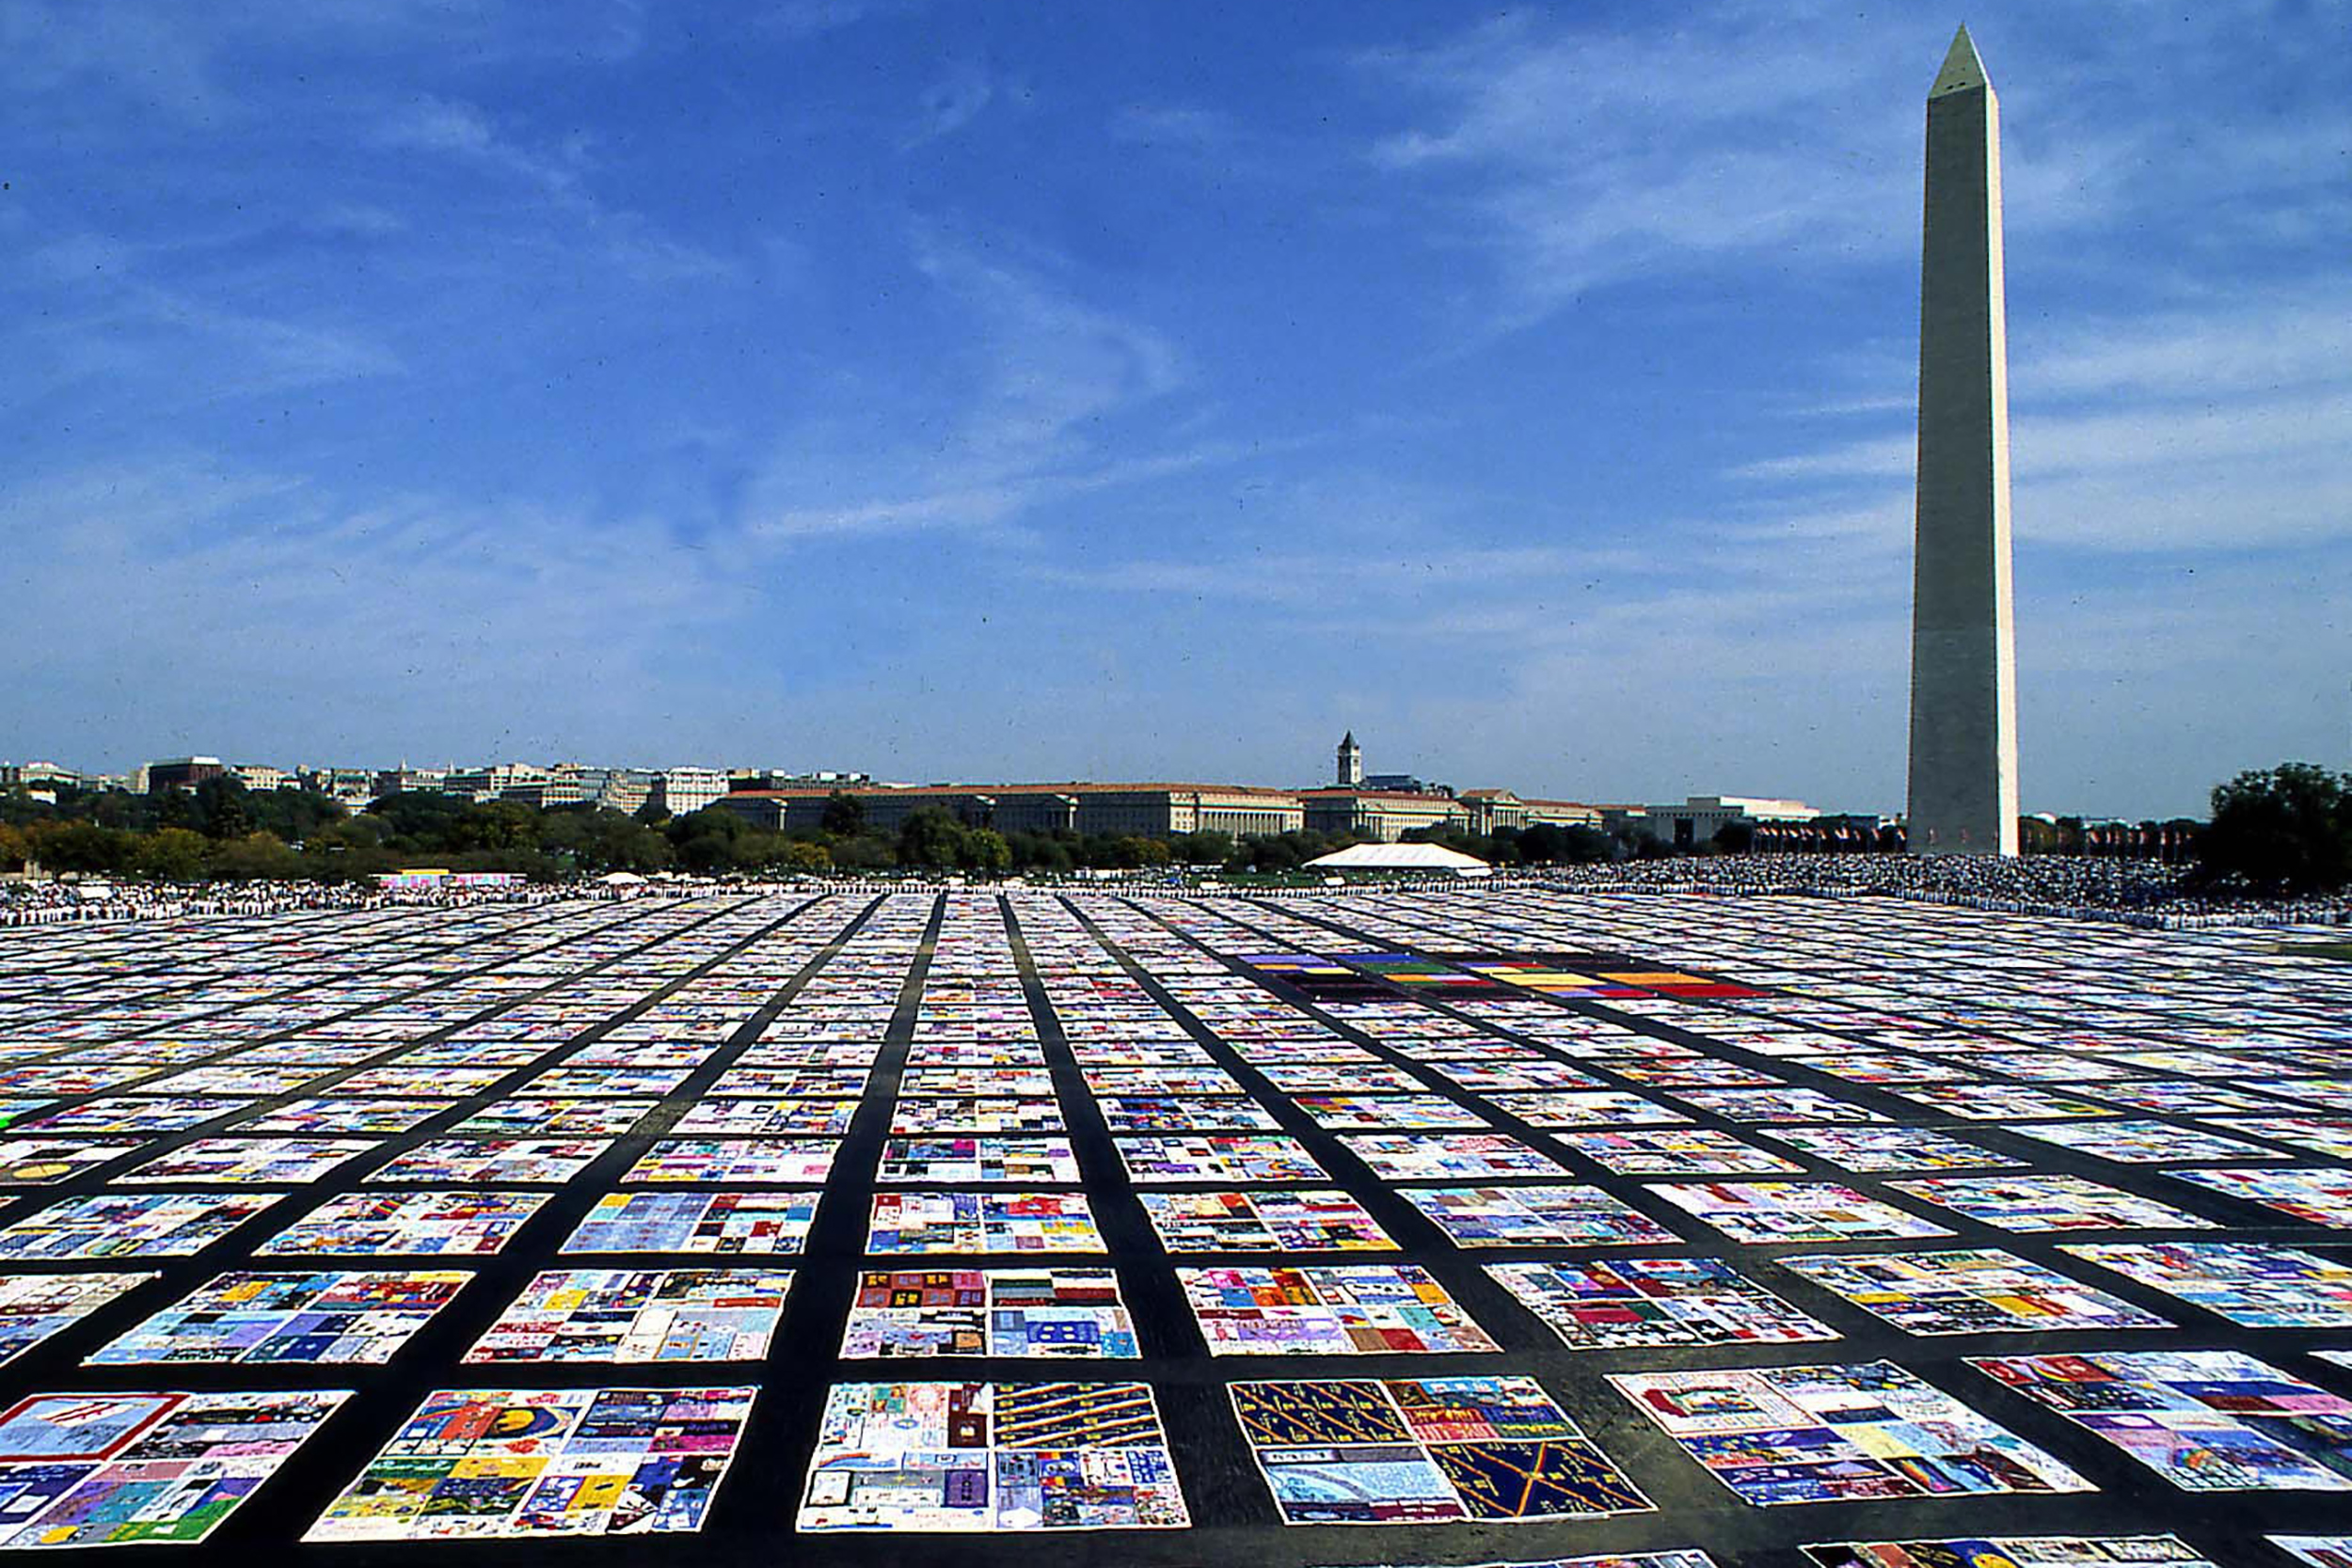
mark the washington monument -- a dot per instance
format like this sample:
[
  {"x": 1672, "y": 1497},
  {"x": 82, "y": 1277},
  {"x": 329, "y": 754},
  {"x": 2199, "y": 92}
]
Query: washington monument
[{"x": 1963, "y": 652}]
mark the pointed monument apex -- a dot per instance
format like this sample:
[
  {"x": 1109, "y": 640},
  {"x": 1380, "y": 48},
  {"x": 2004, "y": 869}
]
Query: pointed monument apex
[{"x": 1963, "y": 71}]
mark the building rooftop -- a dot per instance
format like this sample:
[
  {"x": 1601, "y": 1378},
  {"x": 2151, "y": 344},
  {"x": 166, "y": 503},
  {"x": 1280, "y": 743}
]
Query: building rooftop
[
  {"x": 1071, "y": 787},
  {"x": 1326, "y": 792}
]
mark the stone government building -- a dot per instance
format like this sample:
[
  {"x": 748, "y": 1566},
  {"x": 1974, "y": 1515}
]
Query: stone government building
[
  {"x": 1383, "y": 809},
  {"x": 1145, "y": 810},
  {"x": 1164, "y": 810}
]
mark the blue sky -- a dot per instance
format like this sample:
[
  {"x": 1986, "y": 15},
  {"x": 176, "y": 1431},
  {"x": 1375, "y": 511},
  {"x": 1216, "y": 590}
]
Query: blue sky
[{"x": 1153, "y": 390}]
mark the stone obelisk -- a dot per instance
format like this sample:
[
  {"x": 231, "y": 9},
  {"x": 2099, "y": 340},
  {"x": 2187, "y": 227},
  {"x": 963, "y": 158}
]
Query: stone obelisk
[{"x": 1964, "y": 654}]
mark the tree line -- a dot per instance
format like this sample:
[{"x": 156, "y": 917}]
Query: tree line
[
  {"x": 2285, "y": 829},
  {"x": 222, "y": 829}
]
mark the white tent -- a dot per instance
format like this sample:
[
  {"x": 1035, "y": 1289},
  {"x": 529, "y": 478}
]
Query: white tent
[
  {"x": 621, "y": 878},
  {"x": 1432, "y": 859}
]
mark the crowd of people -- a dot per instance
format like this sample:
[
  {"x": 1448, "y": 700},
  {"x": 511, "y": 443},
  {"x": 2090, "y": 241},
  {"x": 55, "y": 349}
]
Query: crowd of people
[
  {"x": 73, "y": 903},
  {"x": 2136, "y": 892},
  {"x": 30, "y": 903}
]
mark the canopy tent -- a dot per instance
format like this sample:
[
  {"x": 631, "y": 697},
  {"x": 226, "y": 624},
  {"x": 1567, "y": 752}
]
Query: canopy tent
[{"x": 1426, "y": 858}]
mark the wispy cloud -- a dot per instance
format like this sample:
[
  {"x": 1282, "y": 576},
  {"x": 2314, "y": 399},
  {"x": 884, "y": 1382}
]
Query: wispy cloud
[
  {"x": 272, "y": 591},
  {"x": 1590, "y": 157},
  {"x": 1409, "y": 577},
  {"x": 1872, "y": 459},
  {"x": 1053, "y": 362},
  {"x": 1223, "y": 149},
  {"x": 456, "y": 129},
  {"x": 953, "y": 101},
  {"x": 1586, "y": 157},
  {"x": 194, "y": 64},
  {"x": 1177, "y": 127},
  {"x": 560, "y": 174},
  {"x": 2219, "y": 427},
  {"x": 1046, "y": 377},
  {"x": 105, "y": 321},
  {"x": 804, "y": 18},
  {"x": 2263, "y": 339},
  {"x": 150, "y": 54}
]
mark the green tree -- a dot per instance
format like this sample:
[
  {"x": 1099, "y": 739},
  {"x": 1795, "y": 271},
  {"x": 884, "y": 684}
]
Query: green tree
[
  {"x": 175, "y": 808},
  {"x": 115, "y": 808},
  {"x": 845, "y": 816},
  {"x": 294, "y": 813},
  {"x": 495, "y": 825},
  {"x": 81, "y": 847},
  {"x": 802, "y": 855},
  {"x": 864, "y": 852},
  {"x": 1210, "y": 847},
  {"x": 598, "y": 839},
  {"x": 222, "y": 808},
  {"x": 2288, "y": 830},
  {"x": 1543, "y": 843},
  {"x": 15, "y": 848},
  {"x": 417, "y": 819},
  {"x": 1587, "y": 845},
  {"x": 1502, "y": 849},
  {"x": 363, "y": 831},
  {"x": 171, "y": 855},
  {"x": 1046, "y": 852},
  {"x": 710, "y": 840},
  {"x": 255, "y": 856},
  {"x": 18, "y": 807},
  {"x": 985, "y": 850},
  {"x": 1264, "y": 852},
  {"x": 931, "y": 839},
  {"x": 1135, "y": 851}
]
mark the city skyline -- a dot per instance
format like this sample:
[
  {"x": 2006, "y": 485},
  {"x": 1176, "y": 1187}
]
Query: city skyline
[
  {"x": 624, "y": 787},
  {"x": 945, "y": 393}
]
